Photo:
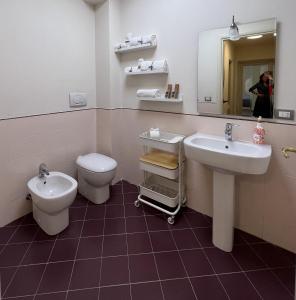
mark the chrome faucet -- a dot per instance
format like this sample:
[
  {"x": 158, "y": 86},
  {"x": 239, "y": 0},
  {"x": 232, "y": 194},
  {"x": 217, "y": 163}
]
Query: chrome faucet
[
  {"x": 43, "y": 170},
  {"x": 228, "y": 131}
]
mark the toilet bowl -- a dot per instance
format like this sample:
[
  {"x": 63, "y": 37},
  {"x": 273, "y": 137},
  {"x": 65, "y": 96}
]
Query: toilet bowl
[
  {"x": 52, "y": 196},
  {"x": 95, "y": 173}
]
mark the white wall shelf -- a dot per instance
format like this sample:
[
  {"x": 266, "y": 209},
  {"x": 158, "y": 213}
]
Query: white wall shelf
[
  {"x": 162, "y": 99},
  {"x": 127, "y": 48},
  {"x": 159, "y": 71},
  {"x": 136, "y": 48}
]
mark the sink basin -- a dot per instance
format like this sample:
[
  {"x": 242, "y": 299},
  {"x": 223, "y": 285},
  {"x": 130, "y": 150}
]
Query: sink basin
[
  {"x": 227, "y": 159},
  {"x": 51, "y": 198},
  {"x": 231, "y": 156}
]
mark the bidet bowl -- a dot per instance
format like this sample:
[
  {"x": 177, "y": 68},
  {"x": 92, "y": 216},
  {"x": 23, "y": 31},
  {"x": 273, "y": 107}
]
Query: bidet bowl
[{"x": 53, "y": 193}]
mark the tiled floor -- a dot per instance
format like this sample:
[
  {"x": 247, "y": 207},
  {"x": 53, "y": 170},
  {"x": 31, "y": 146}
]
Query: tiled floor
[{"x": 119, "y": 252}]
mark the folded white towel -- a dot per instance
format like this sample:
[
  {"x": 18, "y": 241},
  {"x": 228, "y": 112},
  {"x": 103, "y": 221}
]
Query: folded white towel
[
  {"x": 160, "y": 64},
  {"x": 152, "y": 93},
  {"x": 146, "y": 65},
  {"x": 135, "y": 69}
]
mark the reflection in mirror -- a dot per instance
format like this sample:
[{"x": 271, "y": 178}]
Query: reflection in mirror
[
  {"x": 237, "y": 77},
  {"x": 248, "y": 68}
]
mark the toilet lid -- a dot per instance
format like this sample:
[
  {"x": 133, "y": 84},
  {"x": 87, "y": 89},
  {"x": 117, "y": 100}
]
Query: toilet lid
[{"x": 96, "y": 162}]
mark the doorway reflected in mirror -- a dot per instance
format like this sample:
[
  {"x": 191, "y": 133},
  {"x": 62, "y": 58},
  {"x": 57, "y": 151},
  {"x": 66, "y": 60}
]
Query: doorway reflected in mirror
[{"x": 248, "y": 86}]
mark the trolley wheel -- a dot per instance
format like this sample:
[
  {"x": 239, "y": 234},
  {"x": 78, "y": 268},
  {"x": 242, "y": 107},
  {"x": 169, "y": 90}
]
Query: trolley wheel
[
  {"x": 171, "y": 220},
  {"x": 137, "y": 203}
]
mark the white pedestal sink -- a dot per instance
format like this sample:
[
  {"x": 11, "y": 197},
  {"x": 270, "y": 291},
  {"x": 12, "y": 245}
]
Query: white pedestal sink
[{"x": 227, "y": 159}]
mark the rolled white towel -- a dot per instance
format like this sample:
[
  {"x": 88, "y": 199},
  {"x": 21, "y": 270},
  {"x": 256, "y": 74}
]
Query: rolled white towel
[
  {"x": 120, "y": 46},
  {"x": 128, "y": 69},
  {"x": 148, "y": 39},
  {"x": 160, "y": 64},
  {"x": 152, "y": 93},
  {"x": 146, "y": 65},
  {"x": 134, "y": 41}
]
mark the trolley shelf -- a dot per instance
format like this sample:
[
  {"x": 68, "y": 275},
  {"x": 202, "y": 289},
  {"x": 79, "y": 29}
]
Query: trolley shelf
[{"x": 163, "y": 165}]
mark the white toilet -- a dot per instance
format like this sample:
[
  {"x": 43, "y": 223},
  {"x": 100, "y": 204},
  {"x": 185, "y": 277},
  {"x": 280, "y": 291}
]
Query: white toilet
[{"x": 95, "y": 173}]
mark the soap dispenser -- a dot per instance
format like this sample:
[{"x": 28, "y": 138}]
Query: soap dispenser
[{"x": 259, "y": 132}]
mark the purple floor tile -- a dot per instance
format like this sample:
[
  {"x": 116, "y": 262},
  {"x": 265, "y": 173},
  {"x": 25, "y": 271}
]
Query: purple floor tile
[
  {"x": 90, "y": 247},
  {"x": 162, "y": 241},
  {"x": 130, "y": 197},
  {"x": 42, "y": 236},
  {"x": 208, "y": 288},
  {"x": 238, "y": 238},
  {"x": 136, "y": 224},
  {"x": 72, "y": 231},
  {"x": 77, "y": 213},
  {"x": 80, "y": 201},
  {"x": 156, "y": 223},
  {"x": 56, "y": 277},
  {"x": 269, "y": 286},
  {"x": 142, "y": 268},
  {"x": 86, "y": 274},
  {"x": 89, "y": 294},
  {"x": 95, "y": 212},
  {"x": 114, "y": 245},
  {"x": 114, "y": 271},
  {"x": 169, "y": 265},
  {"x": 29, "y": 220},
  {"x": 6, "y": 233},
  {"x": 274, "y": 256},
  {"x": 116, "y": 292},
  {"x": 93, "y": 228},
  {"x": 52, "y": 296},
  {"x": 132, "y": 211},
  {"x": 114, "y": 226},
  {"x": 138, "y": 243},
  {"x": 250, "y": 239},
  {"x": 114, "y": 211},
  {"x": 116, "y": 199},
  {"x": 204, "y": 236},
  {"x": 64, "y": 250},
  {"x": 197, "y": 220},
  {"x": 38, "y": 252},
  {"x": 238, "y": 286},
  {"x": 247, "y": 258},
  {"x": 185, "y": 239},
  {"x": 287, "y": 277},
  {"x": 196, "y": 262},
  {"x": 178, "y": 289},
  {"x": 129, "y": 188},
  {"x": 6, "y": 275},
  {"x": 180, "y": 223},
  {"x": 24, "y": 234},
  {"x": 25, "y": 281},
  {"x": 147, "y": 291},
  {"x": 116, "y": 189},
  {"x": 221, "y": 261},
  {"x": 13, "y": 254},
  {"x": 150, "y": 211}
]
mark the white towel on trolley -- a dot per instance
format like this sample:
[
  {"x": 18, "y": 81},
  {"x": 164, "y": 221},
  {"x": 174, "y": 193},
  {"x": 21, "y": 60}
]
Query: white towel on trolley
[{"x": 149, "y": 93}]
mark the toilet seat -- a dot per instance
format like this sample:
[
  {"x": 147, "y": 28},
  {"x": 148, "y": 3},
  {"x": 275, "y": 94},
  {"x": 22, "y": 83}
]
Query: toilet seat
[{"x": 97, "y": 163}]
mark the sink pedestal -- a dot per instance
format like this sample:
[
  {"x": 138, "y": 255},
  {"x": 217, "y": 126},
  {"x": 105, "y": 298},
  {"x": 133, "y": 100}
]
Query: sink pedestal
[{"x": 223, "y": 210}]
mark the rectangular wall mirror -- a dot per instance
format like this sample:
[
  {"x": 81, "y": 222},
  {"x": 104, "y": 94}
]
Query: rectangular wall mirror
[{"x": 230, "y": 73}]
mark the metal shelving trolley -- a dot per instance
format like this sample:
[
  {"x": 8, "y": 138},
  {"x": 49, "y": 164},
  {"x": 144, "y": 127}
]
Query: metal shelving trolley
[{"x": 163, "y": 165}]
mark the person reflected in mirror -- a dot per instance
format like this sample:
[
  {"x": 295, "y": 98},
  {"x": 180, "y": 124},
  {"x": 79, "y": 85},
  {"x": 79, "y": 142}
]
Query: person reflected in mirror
[{"x": 263, "y": 90}]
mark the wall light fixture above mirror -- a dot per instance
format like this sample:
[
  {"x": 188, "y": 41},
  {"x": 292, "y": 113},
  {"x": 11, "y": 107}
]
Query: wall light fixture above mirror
[{"x": 231, "y": 70}]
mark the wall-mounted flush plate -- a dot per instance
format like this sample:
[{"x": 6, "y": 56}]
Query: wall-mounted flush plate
[
  {"x": 285, "y": 114},
  {"x": 78, "y": 99},
  {"x": 208, "y": 99}
]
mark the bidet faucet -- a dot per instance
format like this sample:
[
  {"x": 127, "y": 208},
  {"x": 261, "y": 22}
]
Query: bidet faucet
[
  {"x": 228, "y": 131},
  {"x": 43, "y": 170}
]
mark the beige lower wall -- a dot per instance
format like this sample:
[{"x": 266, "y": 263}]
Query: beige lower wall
[
  {"x": 265, "y": 206},
  {"x": 55, "y": 139}
]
